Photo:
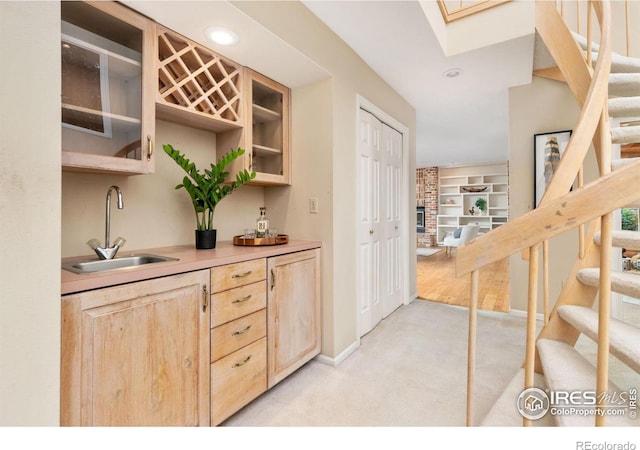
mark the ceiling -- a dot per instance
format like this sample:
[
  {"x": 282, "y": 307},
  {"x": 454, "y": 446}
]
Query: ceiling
[{"x": 461, "y": 120}]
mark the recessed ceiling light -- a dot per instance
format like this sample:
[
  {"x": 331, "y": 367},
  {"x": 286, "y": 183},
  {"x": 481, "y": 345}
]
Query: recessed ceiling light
[
  {"x": 221, "y": 35},
  {"x": 452, "y": 73}
]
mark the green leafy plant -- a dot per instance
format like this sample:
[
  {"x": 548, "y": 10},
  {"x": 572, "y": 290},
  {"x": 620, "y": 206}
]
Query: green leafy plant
[
  {"x": 209, "y": 187},
  {"x": 481, "y": 203},
  {"x": 629, "y": 219}
]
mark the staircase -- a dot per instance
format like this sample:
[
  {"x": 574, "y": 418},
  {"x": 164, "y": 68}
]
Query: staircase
[{"x": 607, "y": 85}]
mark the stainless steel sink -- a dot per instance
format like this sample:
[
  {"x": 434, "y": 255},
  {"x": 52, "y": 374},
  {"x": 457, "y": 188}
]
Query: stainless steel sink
[{"x": 100, "y": 265}]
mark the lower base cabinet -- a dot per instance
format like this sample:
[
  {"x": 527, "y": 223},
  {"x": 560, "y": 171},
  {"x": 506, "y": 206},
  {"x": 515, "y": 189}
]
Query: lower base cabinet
[
  {"x": 293, "y": 308},
  {"x": 154, "y": 353},
  {"x": 137, "y": 354}
]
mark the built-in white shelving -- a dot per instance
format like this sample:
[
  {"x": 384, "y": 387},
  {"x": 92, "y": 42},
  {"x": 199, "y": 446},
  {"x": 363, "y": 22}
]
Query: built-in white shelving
[{"x": 460, "y": 187}]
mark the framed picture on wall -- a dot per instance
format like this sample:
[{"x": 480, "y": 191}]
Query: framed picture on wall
[{"x": 547, "y": 151}]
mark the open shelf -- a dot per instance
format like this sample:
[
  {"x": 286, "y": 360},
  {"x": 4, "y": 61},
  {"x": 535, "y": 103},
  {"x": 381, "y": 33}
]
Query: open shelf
[
  {"x": 261, "y": 150},
  {"x": 455, "y": 202},
  {"x": 262, "y": 114}
]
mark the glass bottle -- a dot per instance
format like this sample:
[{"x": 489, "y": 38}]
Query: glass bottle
[{"x": 262, "y": 223}]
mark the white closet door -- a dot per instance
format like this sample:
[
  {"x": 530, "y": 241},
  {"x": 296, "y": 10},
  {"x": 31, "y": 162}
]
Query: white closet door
[
  {"x": 369, "y": 222},
  {"x": 390, "y": 205}
]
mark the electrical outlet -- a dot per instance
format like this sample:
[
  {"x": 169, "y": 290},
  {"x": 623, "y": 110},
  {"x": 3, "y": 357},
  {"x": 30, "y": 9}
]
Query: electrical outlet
[{"x": 313, "y": 205}]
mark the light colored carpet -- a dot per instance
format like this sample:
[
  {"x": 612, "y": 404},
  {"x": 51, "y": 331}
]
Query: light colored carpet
[
  {"x": 409, "y": 371},
  {"x": 427, "y": 251}
]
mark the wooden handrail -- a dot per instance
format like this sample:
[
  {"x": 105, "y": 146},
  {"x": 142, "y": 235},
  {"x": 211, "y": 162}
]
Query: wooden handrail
[
  {"x": 596, "y": 94},
  {"x": 545, "y": 280},
  {"x": 471, "y": 347},
  {"x": 550, "y": 25},
  {"x": 532, "y": 305}
]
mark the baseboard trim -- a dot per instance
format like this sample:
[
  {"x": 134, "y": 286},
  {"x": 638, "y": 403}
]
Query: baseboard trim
[
  {"x": 520, "y": 313},
  {"x": 341, "y": 357},
  {"x": 411, "y": 298}
]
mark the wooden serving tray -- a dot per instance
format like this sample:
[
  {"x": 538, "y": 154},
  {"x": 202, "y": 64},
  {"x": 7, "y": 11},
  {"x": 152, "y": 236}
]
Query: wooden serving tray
[{"x": 278, "y": 240}]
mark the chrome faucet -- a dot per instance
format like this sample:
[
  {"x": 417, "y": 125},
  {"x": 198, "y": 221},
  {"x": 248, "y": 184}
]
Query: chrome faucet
[{"x": 108, "y": 252}]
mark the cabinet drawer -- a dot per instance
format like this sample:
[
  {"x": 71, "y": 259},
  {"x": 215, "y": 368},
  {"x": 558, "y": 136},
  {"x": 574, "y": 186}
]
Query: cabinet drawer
[
  {"x": 236, "y": 334},
  {"x": 237, "y": 379},
  {"x": 234, "y": 303},
  {"x": 239, "y": 274}
]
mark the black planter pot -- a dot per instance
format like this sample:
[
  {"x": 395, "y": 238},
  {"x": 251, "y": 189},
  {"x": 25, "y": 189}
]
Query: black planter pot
[{"x": 205, "y": 239}]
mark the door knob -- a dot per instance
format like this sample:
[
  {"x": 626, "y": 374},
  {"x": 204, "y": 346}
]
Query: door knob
[{"x": 370, "y": 231}]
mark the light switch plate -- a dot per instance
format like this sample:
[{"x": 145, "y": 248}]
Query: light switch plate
[{"x": 313, "y": 205}]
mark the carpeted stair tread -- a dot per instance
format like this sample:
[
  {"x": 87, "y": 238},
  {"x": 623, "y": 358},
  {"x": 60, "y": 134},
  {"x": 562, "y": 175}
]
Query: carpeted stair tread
[
  {"x": 619, "y": 63},
  {"x": 624, "y": 84},
  {"x": 627, "y": 283},
  {"x": 623, "y": 338},
  {"x": 620, "y": 162},
  {"x": 625, "y": 135},
  {"x": 624, "y": 107},
  {"x": 626, "y": 239},
  {"x": 504, "y": 412},
  {"x": 567, "y": 370}
]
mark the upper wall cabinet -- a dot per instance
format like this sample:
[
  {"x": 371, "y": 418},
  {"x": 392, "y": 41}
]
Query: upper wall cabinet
[
  {"x": 108, "y": 114},
  {"x": 266, "y": 135},
  {"x": 196, "y": 86}
]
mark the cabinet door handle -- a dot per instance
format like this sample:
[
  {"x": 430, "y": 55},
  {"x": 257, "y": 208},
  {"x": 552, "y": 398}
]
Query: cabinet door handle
[
  {"x": 243, "y": 331},
  {"x": 242, "y": 300},
  {"x": 241, "y": 363},
  {"x": 273, "y": 279},
  {"x": 205, "y": 298},
  {"x": 150, "y": 147},
  {"x": 241, "y": 275}
]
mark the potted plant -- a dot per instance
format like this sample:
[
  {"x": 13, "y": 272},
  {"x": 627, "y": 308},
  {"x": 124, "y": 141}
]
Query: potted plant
[
  {"x": 481, "y": 203},
  {"x": 207, "y": 189}
]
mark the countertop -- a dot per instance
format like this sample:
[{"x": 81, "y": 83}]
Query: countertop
[{"x": 189, "y": 259}]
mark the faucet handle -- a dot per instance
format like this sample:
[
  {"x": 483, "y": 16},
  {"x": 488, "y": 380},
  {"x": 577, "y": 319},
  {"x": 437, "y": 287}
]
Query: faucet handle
[
  {"x": 119, "y": 242},
  {"x": 93, "y": 243}
]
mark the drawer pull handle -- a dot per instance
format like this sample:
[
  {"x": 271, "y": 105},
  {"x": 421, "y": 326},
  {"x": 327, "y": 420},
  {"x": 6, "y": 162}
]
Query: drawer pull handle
[
  {"x": 244, "y": 330},
  {"x": 242, "y": 300},
  {"x": 242, "y": 363},
  {"x": 241, "y": 275}
]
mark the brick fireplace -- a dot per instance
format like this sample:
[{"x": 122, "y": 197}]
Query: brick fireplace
[{"x": 427, "y": 197}]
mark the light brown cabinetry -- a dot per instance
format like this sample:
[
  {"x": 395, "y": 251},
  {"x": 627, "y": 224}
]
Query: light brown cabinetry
[
  {"x": 238, "y": 336},
  {"x": 137, "y": 354},
  {"x": 265, "y": 136},
  {"x": 188, "y": 349},
  {"x": 108, "y": 114},
  {"x": 294, "y": 312}
]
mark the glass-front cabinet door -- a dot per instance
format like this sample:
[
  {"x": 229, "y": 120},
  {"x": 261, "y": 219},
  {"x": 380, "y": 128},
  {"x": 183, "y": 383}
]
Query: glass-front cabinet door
[
  {"x": 108, "y": 108},
  {"x": 269, "y": 138}
]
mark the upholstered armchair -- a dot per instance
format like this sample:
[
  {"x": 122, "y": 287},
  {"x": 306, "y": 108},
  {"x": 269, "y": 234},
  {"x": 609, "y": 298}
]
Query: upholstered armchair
[{"x": 467, "y": 232}]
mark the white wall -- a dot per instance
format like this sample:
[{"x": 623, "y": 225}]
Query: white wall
[
  {"x": 541, "y": 107},
  {"x": 495, "y": 25},
  {"x": 30, "y": 213},
  {"x": 337, "y": 173},
  {"x": 155, "y": 214}
]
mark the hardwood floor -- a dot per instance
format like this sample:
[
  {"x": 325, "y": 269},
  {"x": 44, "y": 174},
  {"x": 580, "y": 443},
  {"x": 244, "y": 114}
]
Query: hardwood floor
[{"x": 437, "y": 282}]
